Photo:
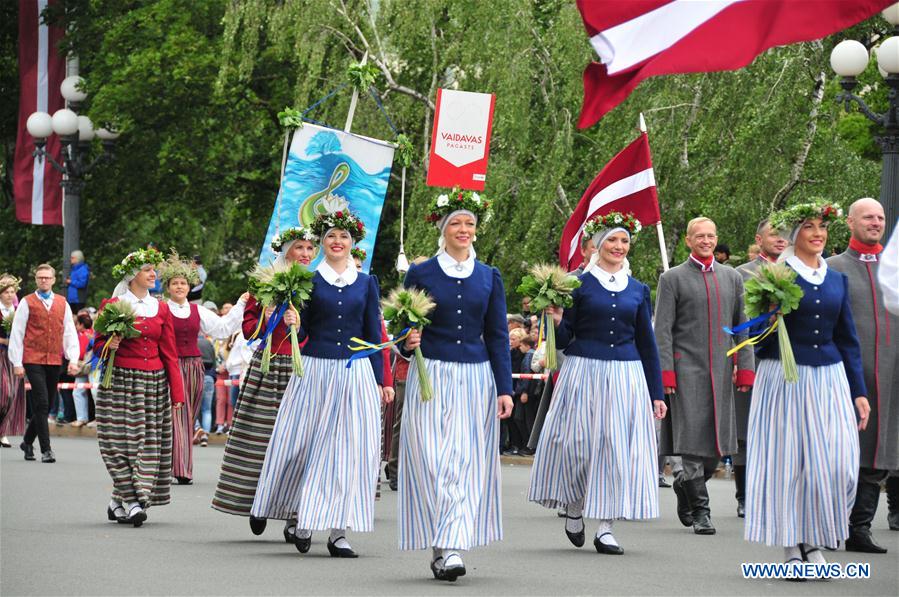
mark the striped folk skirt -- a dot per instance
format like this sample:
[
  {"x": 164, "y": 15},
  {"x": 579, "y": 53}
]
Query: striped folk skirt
[
  {"x": 254, "y": 418},
  {"x": 598, "y": 442},
  {"x": 449, "y": 473},
  {"x": 322, "y": 462},
  {"x": 134, "y": 431},
  {"x": 803, "y": 454},
  {"x": 192, "y": 373},
  {"x": 12, "y": 398}
]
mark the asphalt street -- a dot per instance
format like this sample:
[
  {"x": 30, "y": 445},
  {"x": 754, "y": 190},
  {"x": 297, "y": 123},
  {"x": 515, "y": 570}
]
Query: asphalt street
[{"x": 55, "y": 540}]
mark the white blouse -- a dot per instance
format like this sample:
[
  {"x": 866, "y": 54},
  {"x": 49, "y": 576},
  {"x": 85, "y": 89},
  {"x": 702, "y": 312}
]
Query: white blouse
[
  {"x": 348, "y": 276},
  {"x": 210, "y": 323},
  {"x": 456, "y": 269},
  {"x": 613, "y": 282},
  {"x": 143, "y": 307},
  {"x": 809, "y": 274}
]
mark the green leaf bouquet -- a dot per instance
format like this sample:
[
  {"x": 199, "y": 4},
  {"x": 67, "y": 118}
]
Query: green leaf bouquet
[
  {"x": 115, "y": 319},
  {"x": 774, "y": 286},
  {"x": 404, "y": 309}
]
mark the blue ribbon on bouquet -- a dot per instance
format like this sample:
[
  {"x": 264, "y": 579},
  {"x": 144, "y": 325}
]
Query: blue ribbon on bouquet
[
  {"x": 270, "y": 325},
  {"x": 746, "y": 326},
  {"x": 364, "y": 349}
]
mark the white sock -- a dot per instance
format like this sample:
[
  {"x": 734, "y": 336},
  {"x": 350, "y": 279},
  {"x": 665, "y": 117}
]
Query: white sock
[
  {"x": 604, "y": 533},
  {"x": 815, "y": 557},
  {"x": 436, "y": 552},
  {"x": 132, "y": 508},
  {"x": 575, "y": 509},
  {"x": 117, "y": 508},
  {"x": 574, "y": 525},
  {"x": 290, "y": 526},
  {"x": 792, "y": 553},
  {"x": 338, "y": 538},
  {"x": 451, "y": 557},
  {"x": 303, "y": 533}
]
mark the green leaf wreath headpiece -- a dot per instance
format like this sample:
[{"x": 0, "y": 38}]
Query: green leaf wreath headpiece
[
  {"x": 292, "y": 234},
  {"x": 787, "y": 219},
  {"x": 359, "y": 254},
  {"x": 175, "y": 267},
  {"x": 342, "y": 219},
  {"x": 613, "y": 219},
  {"x": 456, "y": 200},
  {"x": 136, "y": 260}
]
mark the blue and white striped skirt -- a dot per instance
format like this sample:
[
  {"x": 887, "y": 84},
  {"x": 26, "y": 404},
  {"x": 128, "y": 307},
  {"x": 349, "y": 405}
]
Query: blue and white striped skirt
[
  {"x": 449, "y": 473},
  {"x": 599, "y": 442},
  {"x": 322, "y": 461},
  {"x": 803, "y": 457}
]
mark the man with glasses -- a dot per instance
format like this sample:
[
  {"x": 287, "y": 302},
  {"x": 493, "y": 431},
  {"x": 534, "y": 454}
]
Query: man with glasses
[
  {"x": 42, "y": 330},
  {"x": 694, "y": 301}
]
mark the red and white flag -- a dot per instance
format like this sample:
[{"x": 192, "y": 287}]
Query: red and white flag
[
  {"x": 645, "y": 38},
  {"x": 41, "y": 70},
  {"x": 626, "y": 184}
]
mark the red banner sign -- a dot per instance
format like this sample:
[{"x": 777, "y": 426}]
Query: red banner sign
[{"x": 460, "y": 142}]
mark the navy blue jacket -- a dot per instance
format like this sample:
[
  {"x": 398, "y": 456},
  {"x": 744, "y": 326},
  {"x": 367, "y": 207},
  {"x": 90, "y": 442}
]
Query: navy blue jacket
[
  {"x": 468, "y": 325},
  {"x": 334, "y": 315},
  {"x": 822, "y": 331},
  {"x": 612, "y": 326}
]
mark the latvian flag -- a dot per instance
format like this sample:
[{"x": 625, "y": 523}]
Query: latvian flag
[
  {"x": 645, "y": 38},
  {"x": 41, "y": 70},
  {"x": 626, "y": 184}
]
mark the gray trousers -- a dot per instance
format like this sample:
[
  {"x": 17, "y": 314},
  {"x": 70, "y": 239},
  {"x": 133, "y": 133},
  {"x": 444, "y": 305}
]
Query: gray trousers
[
  {"x": 694, "y": 467},
  {"x": 739, "y": 459}
]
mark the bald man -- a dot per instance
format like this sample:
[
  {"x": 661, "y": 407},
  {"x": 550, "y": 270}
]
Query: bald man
[{"x": 878, "y": 332}]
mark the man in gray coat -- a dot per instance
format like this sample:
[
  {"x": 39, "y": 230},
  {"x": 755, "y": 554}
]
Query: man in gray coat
[
  {"x": 771, "y": 245},
  {"x": 694, "y": 301},
  {"x": 878, "y": 333}
]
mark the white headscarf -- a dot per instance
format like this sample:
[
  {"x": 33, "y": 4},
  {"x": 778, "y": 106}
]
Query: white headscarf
[
  {"x": 598, "y": 239},
  {"x": 789, "y": 251},
  {"x": 444, "y": 222}
]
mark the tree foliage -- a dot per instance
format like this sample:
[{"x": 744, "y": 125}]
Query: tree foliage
[{"x": 196, "y": 87}]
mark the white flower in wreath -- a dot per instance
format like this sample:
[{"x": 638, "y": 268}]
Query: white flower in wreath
[
  {"x": 476, "y": 198},
  {"x": 334, "y": 203},
  {"x": 617, "y": 219},
  {"x": 442, "y": 201},
  {"x": 637, "y": 227}
]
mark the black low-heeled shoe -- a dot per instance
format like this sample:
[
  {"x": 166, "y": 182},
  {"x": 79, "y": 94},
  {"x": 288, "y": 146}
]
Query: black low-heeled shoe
[
  {"x": 110, "y": 514},
  {"x": 340, "y": 552},
  {"x": 451, "y": 573},
  {"x": 257, "y": 525},
  {"x": 612, "y": 550},
  {"x": 303, "y": 543},
  {"x": 288, "y": 536},
  {"x": 794, "y": 578},
  {"x": 437, "y": 570},
  {"x": 137, "y": 519},
  {"x": 577, "y": 539}
]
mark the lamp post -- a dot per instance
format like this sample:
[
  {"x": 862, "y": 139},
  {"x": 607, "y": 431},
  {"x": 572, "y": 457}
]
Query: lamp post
[
  {"x": 849, "y": 59},
  {"x": 75, "y": 134}
]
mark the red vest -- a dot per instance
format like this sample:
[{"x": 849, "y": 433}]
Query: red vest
[
  {"x": 44, "y": 331},
  {"x": 186, "y": 332}
]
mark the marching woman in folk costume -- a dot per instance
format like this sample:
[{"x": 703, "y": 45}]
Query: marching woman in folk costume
[
  {"x": 12, "y": 388},
  {"x": 597, "y": 450},
  {"x": 878, "y": 334},
  {"x": 449, "y": 470},
  {"x": 260, "y": 394},
  {"x": 321, "y": 467},
  {"x": 803, "y": 459},
  {"x": 694, "y": 302},
  {"x": 134, "y": 413},
  {"x": 189, "y": 321}
]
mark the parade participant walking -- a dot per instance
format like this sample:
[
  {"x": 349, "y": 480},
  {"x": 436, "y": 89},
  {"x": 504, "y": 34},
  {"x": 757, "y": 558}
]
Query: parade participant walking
[
  {"x": 42, "y": 330},
  {"x": 771, "y": 244},
  {"x": 803, "y": 459},
  {"x": 134, "y": 414},
  {"x": 597, "y": 451},
  {"x": 449, "y": 474},
  {"x": 260, "y": 395},
  {"x": 189, "y": 320},
  {"x": 694, "y": 301},
  {"x": 321, "y": 466},
  {"x": 12, "y": 388},
  {"x": 877, "y": 331}
]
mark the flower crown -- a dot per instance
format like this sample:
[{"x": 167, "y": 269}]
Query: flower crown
[
  {"x": 292, "y": 234},
  {"x": 175, "y": 267},
  {"x": 611, "y": 220},
  {"x": 787, "y": 219},
  {"x": 10, "y": 281},
  {"x": 136, "y": 260},
  {"x": 359, "y": 254},
  {"x": 458, "y": 199},
  {"x": 342, "y": 219}
]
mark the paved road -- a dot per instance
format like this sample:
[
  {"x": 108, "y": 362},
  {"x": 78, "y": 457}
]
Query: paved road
[{"x": 55, "y": 540}]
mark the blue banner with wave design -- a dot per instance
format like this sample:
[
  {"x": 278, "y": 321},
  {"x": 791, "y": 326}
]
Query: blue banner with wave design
[{"x": 329, "y": 170}]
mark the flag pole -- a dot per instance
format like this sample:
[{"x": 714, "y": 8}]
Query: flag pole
[{"x": 663, "y": 248}]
